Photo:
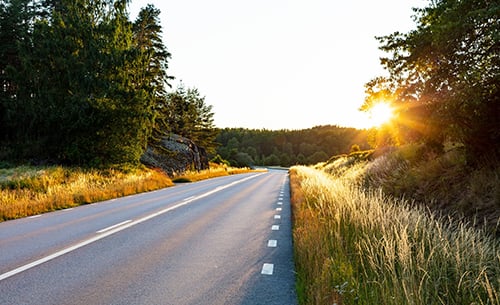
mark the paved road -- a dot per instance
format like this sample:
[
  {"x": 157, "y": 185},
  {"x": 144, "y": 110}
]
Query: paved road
[{"x": 220, "y": 241}]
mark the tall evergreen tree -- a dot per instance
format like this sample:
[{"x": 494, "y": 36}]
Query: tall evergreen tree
[
  {"x": 152, "y": 75},
  {"x": 187, "y": 114},
  {"x": 76, "y": 94},
  {"x": 16, "y": 18}
]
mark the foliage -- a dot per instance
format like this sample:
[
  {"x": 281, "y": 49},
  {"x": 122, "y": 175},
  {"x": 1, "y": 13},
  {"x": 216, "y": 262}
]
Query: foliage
[
  {"x": 444, "y": 183},
  {"x": 74, "y": 96},
  {"x": 185, "y": 113},
  {"x": 358, "y": 246},
  {"x": 247, "y": 147},
  {"x": 83, "y": 85},
  {"x": 444, "y": 76}
]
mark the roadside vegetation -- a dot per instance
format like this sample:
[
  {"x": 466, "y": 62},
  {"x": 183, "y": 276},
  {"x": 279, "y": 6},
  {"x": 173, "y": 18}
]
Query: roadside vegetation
[
  {"x": 358, "y": 245},
  {"x": 215, "y": 170},
  {"x": 28, "y": 190},
  {"x": 416, "y": 220}
]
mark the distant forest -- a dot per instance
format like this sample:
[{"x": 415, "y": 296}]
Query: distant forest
[{"x": 248, "y": 147}]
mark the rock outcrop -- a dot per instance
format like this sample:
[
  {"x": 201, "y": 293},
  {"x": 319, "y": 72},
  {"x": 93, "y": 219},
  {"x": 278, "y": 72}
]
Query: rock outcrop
[{"x": 176, "y": 154}]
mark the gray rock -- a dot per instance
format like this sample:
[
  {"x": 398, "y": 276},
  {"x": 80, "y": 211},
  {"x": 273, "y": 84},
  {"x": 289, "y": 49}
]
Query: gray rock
[{"x": 175, "y": 154}]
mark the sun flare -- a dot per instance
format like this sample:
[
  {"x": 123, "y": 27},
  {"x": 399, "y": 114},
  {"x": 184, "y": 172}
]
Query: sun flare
[{"x": 379, "y": 114}]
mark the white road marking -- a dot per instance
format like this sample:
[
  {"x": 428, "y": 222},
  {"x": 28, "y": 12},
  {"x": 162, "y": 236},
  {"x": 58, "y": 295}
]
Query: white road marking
[
  {"x": 277, "y": 216},
  {"x": 267, "y": 269},
  {"x": 279, "y": 209},
  {"x": 272, "y": 243},
  {"x": 68, "y": 209},
  {"x": 34, "y": 216},
  {"x": 189, "y": 198},
  {"x": 280, "y": 202},
  {"x": 275, "y": 228},
  {"x": 116, "y": 230},
  {"x": 114, "y": 226}
]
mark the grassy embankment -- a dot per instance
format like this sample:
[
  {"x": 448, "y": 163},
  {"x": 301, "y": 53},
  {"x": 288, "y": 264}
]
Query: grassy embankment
[
  {"x": 214, "y": 171},
  {"x": 27, "y": 190},
  {"x": 359, "y": 246}
]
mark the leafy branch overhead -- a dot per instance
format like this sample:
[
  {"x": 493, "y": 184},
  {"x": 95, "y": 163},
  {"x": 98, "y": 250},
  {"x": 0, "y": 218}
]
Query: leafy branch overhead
[{"x": 444, "y": 76}]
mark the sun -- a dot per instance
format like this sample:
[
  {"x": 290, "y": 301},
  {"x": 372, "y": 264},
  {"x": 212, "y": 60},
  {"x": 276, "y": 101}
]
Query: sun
[{"x": 379, "y": 114}]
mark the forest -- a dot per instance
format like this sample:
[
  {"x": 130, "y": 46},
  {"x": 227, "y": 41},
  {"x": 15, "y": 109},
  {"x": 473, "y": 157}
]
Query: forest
[
  {"x": 81, "y": 84},
  {"x": 249, "y": 147}
]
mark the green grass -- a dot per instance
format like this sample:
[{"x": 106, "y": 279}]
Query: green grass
[{"x": 354, "y": 246}]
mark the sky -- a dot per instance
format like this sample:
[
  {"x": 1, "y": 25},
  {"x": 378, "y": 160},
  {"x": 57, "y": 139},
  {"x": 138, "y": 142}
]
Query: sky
[{"x": 279, "y": 64}]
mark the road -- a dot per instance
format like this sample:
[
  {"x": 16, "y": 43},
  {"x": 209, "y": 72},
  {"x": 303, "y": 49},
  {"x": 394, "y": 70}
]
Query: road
[{"x": 220, "y": 241}]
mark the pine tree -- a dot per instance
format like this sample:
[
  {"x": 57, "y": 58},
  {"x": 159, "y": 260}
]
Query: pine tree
[
  {"x": 187, "y": 114},
  {"x": 152, "y": 75}
]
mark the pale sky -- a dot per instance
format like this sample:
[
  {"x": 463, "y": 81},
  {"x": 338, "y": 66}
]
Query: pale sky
[{"x": 279, "y": 64}]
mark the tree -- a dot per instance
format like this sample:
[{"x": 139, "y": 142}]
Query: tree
[
  {"x": 444, "y": 75},
  {"x": 76, "y": 97},
  {"x": 16, "y": 20},
  {"x": 152, "y": 72},
  {"x": 186, "y": 114}
]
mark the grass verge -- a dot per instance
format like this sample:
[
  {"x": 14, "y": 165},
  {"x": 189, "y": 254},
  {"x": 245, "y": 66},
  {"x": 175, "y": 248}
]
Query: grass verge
[
  {"x": 27, "y": 191},
  {"x": 354, "y": 246},
  {"x": 214, "y": 171}
]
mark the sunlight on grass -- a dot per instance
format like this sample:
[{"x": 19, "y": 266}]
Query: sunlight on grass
[
  {"x": 354, "y": 246},
  {"x": 26, "y": 191},
  {"x": 215, "y": 170}
]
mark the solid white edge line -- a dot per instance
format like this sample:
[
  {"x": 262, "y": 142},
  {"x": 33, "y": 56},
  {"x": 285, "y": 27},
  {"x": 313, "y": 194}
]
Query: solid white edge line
[
  {"x": 34, "y": 216},
  {"x": 267, "y": 269},
  {"x": 114, "y": 226},
  {"x": 115, "y": 230}
]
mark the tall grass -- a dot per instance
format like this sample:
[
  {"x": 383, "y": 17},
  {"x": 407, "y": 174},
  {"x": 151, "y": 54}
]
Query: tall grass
[
  {"x": 354, "y": 246},
  {"x": 26, "y": 191}
]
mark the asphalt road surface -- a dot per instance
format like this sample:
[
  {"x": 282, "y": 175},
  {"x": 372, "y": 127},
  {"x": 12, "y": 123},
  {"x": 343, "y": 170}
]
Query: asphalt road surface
[{"x": 220, "y": 241}]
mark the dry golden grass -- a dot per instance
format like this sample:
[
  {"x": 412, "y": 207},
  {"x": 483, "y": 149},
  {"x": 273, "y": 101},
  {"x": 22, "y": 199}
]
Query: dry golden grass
[
  {"x": 215, "y": 170},
  {"x": 354, "y": 246},
  {"x": 26, "y": 191}
]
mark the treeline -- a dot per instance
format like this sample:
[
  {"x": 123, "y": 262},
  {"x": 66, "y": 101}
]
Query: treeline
[
  {"x": 82, "y": 84},
  {"x": 444, "y": 79},
  {"x": 249, "y": 147}
]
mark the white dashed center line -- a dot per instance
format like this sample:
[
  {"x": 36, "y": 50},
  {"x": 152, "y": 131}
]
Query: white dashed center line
[
  {"x": 114, "y": 226},
  {"x": 272, "y": 243},
  {"x": 275, "y": 228},
  {"x": 267, "y": 269},
  {"x": 277, "y": 216}
]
